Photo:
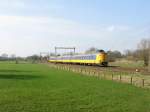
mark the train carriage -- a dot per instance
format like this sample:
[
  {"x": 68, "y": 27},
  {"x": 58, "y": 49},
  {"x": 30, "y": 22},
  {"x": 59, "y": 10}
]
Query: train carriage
[{"x": 89, "y": 59}]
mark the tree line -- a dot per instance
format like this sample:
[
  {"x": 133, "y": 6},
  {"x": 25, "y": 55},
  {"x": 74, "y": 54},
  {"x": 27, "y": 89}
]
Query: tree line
[{"x": 142, "y": 52}]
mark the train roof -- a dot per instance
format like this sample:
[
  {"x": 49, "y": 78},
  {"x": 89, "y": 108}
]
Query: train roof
[{"x": 98, "y": 51}]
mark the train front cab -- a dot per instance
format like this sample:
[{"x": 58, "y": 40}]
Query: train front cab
[{"x": 102, "y": 58}]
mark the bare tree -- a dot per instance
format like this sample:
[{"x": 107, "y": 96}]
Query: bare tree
[
  {"x": 91, "y": 50},
  {"x": 4, "y": 55},
  {"x": 144, "y": 47},
  {"x": 149, "y": 61}
]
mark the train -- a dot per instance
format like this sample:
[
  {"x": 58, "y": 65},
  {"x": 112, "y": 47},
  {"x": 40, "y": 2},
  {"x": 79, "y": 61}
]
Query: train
[{"x": 99, "y": 58}]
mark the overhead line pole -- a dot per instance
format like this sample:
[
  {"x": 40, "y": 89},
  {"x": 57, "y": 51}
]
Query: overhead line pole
[{"x": 74, "y": 49}]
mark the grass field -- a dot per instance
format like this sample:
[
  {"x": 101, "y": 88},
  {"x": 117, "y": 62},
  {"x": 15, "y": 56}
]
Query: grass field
[
  {"x": 38, "y": 88},
  {"x": 128, "y": 64}
]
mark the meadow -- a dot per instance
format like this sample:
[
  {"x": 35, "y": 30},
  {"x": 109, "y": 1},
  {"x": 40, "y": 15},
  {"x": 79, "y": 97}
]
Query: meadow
[
  {"x": 39, "y": 88},
  {"x": 128, "y": 63}
]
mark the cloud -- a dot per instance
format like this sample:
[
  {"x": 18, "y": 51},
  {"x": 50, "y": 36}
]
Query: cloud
[
  {"x": 29, "y": 7},
  {"x": 26, "y": 35},
  {"x": 119, "y": 28},
  {"x": 12, "y": 4}
]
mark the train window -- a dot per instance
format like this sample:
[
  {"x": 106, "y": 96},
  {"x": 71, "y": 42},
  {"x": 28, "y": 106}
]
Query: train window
[
  {"x": 101, "y": 51},
  {"x": 92, "y": 57}
]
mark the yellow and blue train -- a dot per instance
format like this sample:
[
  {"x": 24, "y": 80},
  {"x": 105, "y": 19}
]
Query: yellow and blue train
[{"x": 99, "y": 58}]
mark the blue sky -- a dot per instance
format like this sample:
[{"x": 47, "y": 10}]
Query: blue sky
[{"x": 30, "y": 26}]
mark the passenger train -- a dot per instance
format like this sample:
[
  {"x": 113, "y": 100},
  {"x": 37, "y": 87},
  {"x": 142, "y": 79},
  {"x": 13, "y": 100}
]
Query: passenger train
[{"x": 100, "y": 58}]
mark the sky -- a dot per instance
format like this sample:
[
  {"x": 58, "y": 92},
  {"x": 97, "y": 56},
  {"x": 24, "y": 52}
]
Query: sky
[{"x": 32, "y": 26}]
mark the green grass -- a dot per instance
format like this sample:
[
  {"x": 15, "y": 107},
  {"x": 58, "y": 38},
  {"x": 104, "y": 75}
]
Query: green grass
[
  {"x": 128, "y": 64},
  {"x": 38, "y": 88}
]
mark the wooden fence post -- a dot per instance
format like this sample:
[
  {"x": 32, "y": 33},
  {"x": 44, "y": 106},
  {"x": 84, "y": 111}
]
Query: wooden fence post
[
  {"x": 131, "y": 80},
  {"x": 112, "y": 76},
  {"x": 143, "y": 81},
  {"x": 120, "y": 78},
  {"x": 99, "y": 75},
  {"x": 96, "y": 74}
]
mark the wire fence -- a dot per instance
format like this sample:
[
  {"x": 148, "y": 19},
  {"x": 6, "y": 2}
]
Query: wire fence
[{"x": 130, "y": 78}]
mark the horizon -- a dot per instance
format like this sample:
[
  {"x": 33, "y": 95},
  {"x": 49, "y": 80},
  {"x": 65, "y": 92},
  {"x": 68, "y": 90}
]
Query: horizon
[{"x": 30, "y": 27}]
